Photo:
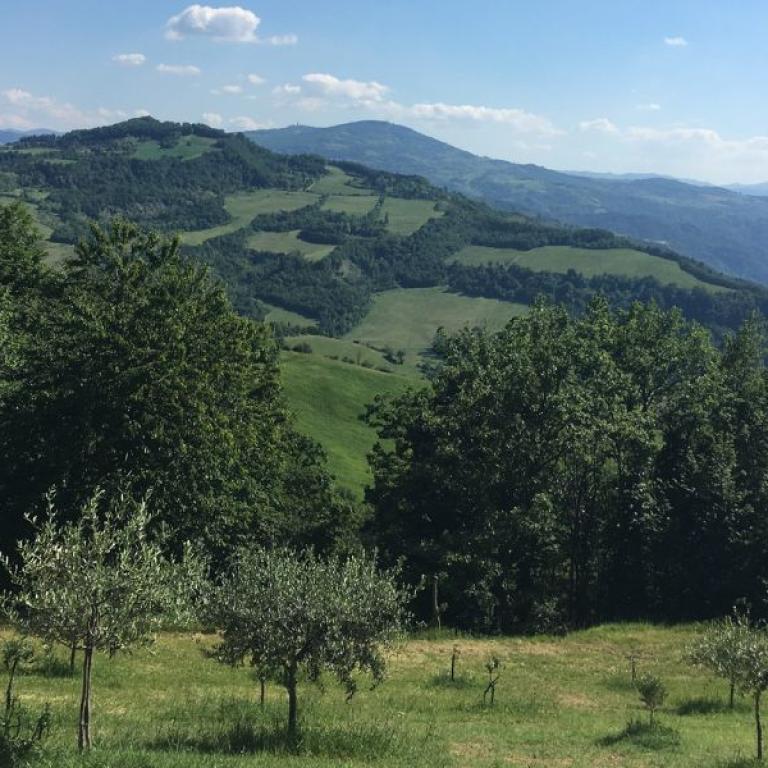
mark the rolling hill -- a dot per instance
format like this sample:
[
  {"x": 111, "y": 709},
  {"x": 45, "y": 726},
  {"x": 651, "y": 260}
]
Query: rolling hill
[
  {"x": 355, "y": 268},
  {"x": 727, "y": 230}
]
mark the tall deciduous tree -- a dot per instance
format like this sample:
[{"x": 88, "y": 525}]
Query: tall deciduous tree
[
  {"x": 285, "y": 613},
  {"x": 100, "y": 581}
]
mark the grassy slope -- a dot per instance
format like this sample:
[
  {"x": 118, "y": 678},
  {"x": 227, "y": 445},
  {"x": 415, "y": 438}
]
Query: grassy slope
[
  {"x": 243, "y": 206},
  {"x": 336, "y": 182},
  {"x": 406, "y": 216},
  {"x": 560, "y": 702},
  {"x": 355, "y": 205},
  {"x": 408, "y": 318},
  {"x": 590, "y": 262},
  {"x": 328, "y": 398},
  {"x": 280, "y": 315},
  {"x": 288, "y": 242},
  {"x": 186, "y": 148}
]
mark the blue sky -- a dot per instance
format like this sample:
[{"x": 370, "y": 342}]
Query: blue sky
[{"x": 673, "y": 87}]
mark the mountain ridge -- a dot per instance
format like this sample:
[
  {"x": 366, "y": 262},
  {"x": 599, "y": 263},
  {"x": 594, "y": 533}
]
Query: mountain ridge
[{"x": 724, "y": 228}]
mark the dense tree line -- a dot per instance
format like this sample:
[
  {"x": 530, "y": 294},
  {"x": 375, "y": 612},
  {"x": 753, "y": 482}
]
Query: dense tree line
[
  {"x": 567, "y": 471},
  {"x": 129, "y": 371}
]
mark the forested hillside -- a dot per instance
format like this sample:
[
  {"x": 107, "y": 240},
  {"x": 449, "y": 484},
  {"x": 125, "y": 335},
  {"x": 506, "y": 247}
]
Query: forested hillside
[{"x": 728, "y": 231}]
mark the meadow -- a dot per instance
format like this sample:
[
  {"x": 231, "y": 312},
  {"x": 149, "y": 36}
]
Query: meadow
[
  {"x": 328, "y": 398},
  {"x": 186, "y": 148},
  {"x": 288, "y": 242},
  {"x": 589, "y": 262},
  {"x": 407, "y": 318},
  {"x": 406, "y": 216},
  {"x": 559, "y": 702},
  {"x": 244, "y": 206},
  {"x": 355, "y": 205}
]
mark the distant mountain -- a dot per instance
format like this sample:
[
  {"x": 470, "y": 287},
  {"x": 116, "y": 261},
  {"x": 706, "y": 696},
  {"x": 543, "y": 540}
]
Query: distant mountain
[
  {"x": 721, "y": 227},
  {"x": 8, "y": 136},
  {"x": 758, "y": 190}
]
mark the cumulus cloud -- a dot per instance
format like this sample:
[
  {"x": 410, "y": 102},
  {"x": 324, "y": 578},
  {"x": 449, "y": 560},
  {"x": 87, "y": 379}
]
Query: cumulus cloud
[
  {"x": 229, "y": 24},
  {"x": 352, "y": 89},
  {"x": 184, "y": 70},
  {"x": 256, "y": 79},
  {"x": 600, "y": 124},
  {"x": 213, "y": 119},
  {"x": 247, "y": 124},
  {"x": 676, "y": 42},
  {"x": 230, "y": 89},
  {"x": 130, "y": 59},
  {"x": 287, "y": 89},
  {"x": 652, "y": 107},
  {"x": 33, "y": 111},
  {"x": 519, "y": 119},
  {"x": 141, "y": 113}
]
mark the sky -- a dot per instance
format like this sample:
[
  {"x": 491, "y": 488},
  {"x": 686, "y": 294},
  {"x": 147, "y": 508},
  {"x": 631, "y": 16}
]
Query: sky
[{"x": 675, "y": 87}]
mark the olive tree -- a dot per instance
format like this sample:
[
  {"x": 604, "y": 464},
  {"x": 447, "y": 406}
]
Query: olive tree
[
  {"x": 750, "y": 660},
  {"x": 714, "y": 648},
  {"x": 101, "y": 581},
  {"x": 284, "y": 613},
  {"x": 652, "y": 693}
]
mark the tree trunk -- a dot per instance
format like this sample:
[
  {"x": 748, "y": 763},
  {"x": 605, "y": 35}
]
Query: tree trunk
[
  {"x": 435, "y": 603},
  {"x": 9, "y": 695},
  {"x": 262, "y": 691},
  {"x": 758, "y": 727},
  {"x": 293, "y": 709},
  {"x": 84, "y": 730},
  {"x": 72, "y": 654},
  {"x": 730, "y": 697}
]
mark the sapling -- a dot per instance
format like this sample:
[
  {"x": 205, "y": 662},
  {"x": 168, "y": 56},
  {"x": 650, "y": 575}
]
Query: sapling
[
  {"x": 493, "y": 667},
  {"x": 750, "y": 662},
  {"x": 284, "y": 613},
  {"x": 99, "y": 581},
  {"x": 455, "y": 653},
  {"x": 652, "y": 693},
  {"x": 15, "y": 653}
]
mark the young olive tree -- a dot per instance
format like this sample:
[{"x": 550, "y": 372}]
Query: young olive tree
[
  {"x": 285, "y": 612},
  {"x": 100, "y": 581},
  {"x": 714, "y": 648},
  {"x": 652, "y": 693},
  {"x": 750, "y": 660}
]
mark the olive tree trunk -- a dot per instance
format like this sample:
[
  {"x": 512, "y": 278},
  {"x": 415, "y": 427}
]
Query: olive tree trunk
[
  {"x": 758, "y": 726},
  {"x": 84, "y": 725},
  {"x": 293, "y": 707}
]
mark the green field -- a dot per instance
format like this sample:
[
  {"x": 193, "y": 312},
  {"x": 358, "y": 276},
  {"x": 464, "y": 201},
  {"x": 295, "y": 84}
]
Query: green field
[
  {"x": 341, "y": 348},
  {"x": 406, "y": 216},
  {"x": 186, "y": 148},
  {"x": 407, "y": 318},
  {"x": 336, "y": 182},
  {"x": 560, "y": 703},
  {"x": 355, "y": 205},
  {"x": 328, "y": 398},
  {"x": 280, "y": 315},
  {"x": 587, "y": 261},
  {"x": 244, "y": 206},
  {"x": 288, "y": 242}
]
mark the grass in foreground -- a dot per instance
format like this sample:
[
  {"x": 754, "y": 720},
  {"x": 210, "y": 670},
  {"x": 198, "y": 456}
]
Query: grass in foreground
[
  {"x": 587, "y": 261},
  {"x": 560, "y": 702}
]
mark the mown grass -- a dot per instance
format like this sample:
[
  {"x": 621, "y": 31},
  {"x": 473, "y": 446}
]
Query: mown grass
[
  {"x": 358, "y": 354},
  {"x": 280, "y": 315},
  {"x": 406, "y": 216},
  {"x": 407, "y": 318},
  {"x": 355, "y": 205},
  {"x": 589, "y": 262},
  {"x": 186, "y": 148},
  {"x": 288, "y": 242},
  {"x": 557, "y": 704},
  {"x": 336, "y": 182},
  {"x": 244, "y": 206},
  {"x": 328, "y": 398}
]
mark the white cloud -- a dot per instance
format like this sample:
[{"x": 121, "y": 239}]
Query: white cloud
[
  {"x": 652, "y": 107},
  {"x": 256, "y": 80},
  {"x": 213, "y": 119},
  {"x": 229, "y": 24},
  {"x": 600, "y": 124},
  {"x": 231, "y": 89},
  {"x": 16, "y": 122},
  {"x": 519, "y": 119},
  {"x": 353, "y": 89},
  {"x": 111, "y": 114},
  {"x": 130, "y": 59},
  {"x": 48, "y": 108},
  {"x": 287, "y": 89},
  {"x": 281, "y": 40},
  {"x": 676, "y": 42},
  {"x": 141, "y": 113},
  {"x": 247, "y": 124},
  {"x": 184, "y": 70},
  {"x": 311, "y": 103}
]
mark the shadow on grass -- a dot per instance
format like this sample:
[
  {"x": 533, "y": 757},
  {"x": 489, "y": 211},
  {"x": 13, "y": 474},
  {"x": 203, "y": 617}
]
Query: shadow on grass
[
  {"x": 353, "y": 741},
  {"x": 443, "y": 680},
  {"x": 708, "y": 706},
  {"x": 641, "y": 734}
]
